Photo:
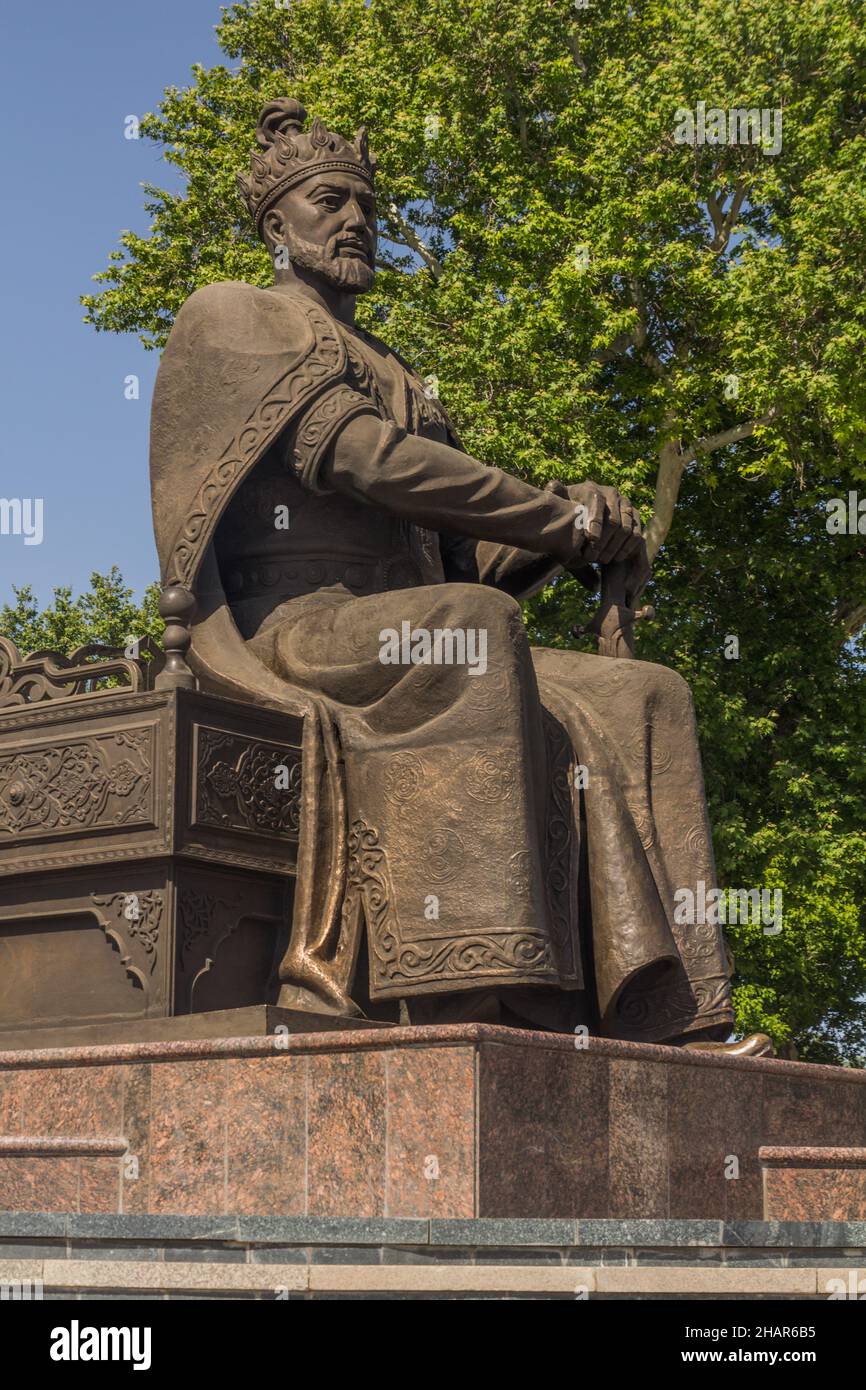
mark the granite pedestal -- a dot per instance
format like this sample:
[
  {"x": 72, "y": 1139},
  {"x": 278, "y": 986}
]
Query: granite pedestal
[{"x": 459, "y": 1121}]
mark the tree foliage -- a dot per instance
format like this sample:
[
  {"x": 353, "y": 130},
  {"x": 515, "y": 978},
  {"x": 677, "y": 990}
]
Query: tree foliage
[
  {"x": 107, "y": 613},
  {"x": 600, "y": 300}
]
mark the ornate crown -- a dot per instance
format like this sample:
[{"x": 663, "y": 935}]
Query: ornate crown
[{"x": 287, "y": 155}]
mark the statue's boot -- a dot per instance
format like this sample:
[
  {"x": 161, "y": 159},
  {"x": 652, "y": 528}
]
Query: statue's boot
[{"x": 755, "y": 1045}]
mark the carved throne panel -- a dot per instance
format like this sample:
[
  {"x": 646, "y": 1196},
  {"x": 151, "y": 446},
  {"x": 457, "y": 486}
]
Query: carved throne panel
[{"x": 148, "y": 851}]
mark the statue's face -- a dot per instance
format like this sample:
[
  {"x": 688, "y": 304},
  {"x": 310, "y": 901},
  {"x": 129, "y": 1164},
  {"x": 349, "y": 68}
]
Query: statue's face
[{"x": 328, "y": 226}]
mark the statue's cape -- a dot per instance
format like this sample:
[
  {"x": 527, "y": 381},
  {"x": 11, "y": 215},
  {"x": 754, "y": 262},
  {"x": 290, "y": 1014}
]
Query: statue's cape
[{"x": 240, "y": 365}]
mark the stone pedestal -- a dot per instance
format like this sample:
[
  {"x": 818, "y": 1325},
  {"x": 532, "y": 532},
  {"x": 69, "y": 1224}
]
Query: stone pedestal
[
  {"x": 253, "y": 1021},
  {"x": 461, "y": 1121}
]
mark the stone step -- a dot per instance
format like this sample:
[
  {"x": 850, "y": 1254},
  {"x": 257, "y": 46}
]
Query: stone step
[
  {"x": 55, "y": 1256},
  {"x": 803, "y": 1182},
  {"x": 133, "y": 1280}
]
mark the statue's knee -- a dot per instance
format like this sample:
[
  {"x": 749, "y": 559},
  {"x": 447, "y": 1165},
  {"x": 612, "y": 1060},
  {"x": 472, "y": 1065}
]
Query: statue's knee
[
  {"x": 477, "y": 605},
  {"x": 666, "y": 683}
]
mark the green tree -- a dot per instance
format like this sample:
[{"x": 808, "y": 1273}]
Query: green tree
[
  {"x": 600, "y": 299},
  {"x": 107, "y": 614}
]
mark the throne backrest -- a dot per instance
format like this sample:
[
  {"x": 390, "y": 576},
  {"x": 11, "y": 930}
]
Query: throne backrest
[{"x": 89, "y": 670}]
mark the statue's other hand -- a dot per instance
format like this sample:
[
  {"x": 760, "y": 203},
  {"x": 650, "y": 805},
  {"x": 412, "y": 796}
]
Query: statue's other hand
[{"x": 608, "y": 527}]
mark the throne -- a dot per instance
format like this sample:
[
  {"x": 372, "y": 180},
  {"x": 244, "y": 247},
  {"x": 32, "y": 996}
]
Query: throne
[{"x": 147, "y": 862}]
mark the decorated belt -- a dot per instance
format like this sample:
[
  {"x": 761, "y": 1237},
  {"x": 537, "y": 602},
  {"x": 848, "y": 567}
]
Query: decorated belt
[{"x": 304, "y": 574}]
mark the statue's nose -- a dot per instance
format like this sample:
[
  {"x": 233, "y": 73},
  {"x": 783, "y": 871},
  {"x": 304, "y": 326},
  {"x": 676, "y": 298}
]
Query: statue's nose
[{"x": 355, "y": 215}]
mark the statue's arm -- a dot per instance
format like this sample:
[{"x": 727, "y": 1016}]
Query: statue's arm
[
  {"x": 445, "y": 490},
  {"x": 520, "y": 573}
]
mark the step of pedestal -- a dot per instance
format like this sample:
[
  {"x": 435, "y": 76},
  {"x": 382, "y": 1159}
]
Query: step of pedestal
[
  {"x": 53, "y": 1256},
  {"x": 803, "y": 1183}
]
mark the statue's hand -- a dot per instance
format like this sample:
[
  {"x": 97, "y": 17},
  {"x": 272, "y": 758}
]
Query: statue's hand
[{"x": 608, "y": 527}]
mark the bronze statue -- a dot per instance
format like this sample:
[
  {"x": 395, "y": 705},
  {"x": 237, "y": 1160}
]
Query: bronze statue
[{"x": 489, "y": 830}]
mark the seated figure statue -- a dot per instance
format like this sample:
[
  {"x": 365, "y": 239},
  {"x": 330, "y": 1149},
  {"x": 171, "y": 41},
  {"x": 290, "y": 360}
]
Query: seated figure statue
[{"x": 490, "y": 831}]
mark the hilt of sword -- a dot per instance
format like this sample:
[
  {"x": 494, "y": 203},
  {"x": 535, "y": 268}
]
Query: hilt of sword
[
  {"x": 613, "y": 622},
  {"x": 621, "y": 581}
]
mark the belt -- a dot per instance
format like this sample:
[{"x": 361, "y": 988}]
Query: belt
[{"x": 304, "y": 574}]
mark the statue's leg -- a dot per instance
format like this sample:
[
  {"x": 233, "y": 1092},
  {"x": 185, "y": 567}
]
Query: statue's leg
[
  {"x": 444, "y": 763},
  {"x": 648, "y": 839}
]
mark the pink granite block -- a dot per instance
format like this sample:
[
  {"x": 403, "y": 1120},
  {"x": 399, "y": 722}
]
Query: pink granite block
[
  {"x": 447, "y": 1120},
  {"x": 10, "y": 1102},
  {"x": 431, "y": 1132},
  {"x": 714, "y": 1119},
  {"x": 81, "y": 1100},
  {"x": 187, "y": 1154},
  {"x": 346, "y": 1109},
  {"x": 265, "y": 1104},
  {"x": 39, "y": 1184},
  {"x": 813, "y": 1105},
  {"x": 638, "y": 1143},
  {"x": 135, "y": 1175},
  {"x": 99, "y": 1184},
  {"x": 809, "y": 1194},
  {"x": 814, "y": 1184},
  {"x": 542, "y": 1131}
]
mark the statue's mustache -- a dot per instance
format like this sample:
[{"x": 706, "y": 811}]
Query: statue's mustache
[
  {"x": 346, "y": 272},
  {"x": 351, "y": 240}
]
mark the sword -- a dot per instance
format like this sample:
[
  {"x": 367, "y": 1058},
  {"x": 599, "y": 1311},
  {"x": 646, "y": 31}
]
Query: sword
[
  {"x": 613, "y": 622},
  {"x": 621, "y": 581}
]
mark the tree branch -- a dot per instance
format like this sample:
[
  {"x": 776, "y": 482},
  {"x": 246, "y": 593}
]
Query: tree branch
[
  {"x": 650, "y": 358},
  {"x": 724, "y": 222},
  {"x": 414, "y": 242},
  {"x": 574, "y": 48},
  {"x": 382, "y": 264},
  {"x": 522, "y": 128},
  {"x": 672, "y": 465},
  {"x": 673, "y": 459},
  {"x": 711, "y": 442},
  {"x": 673, "y": 462},
  {"x": 632, "y": 337},
  {"x": 852, "y": 618}
]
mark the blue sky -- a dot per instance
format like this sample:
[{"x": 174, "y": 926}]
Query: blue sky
[{"x": 71, "y": 184}]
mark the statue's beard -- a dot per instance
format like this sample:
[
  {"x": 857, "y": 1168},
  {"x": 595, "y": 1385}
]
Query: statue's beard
[{"x": 350, "y": 273}]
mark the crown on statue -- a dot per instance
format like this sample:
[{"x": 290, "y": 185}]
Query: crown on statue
[{"x": 287, "y": 154}]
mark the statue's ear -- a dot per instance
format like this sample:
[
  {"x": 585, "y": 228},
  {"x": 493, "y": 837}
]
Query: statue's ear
[{"x": 273, "y": 225}]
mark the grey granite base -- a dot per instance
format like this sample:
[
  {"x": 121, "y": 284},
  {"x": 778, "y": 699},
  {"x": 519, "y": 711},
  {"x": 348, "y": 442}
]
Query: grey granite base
[{"x": 314, "y": 1257}]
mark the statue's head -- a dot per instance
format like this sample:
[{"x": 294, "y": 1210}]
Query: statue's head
[{"x": 312, "y": 193}]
